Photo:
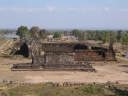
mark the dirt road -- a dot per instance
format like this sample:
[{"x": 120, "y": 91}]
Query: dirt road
[{"x": 112, "y": 71}]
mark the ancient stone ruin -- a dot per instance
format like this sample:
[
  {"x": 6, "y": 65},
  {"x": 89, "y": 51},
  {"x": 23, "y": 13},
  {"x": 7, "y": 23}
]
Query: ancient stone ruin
[{"x": 64, "y": 56}]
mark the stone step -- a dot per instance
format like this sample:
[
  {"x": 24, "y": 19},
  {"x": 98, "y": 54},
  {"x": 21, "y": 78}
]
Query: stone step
[{"x": 30, "y": 67}]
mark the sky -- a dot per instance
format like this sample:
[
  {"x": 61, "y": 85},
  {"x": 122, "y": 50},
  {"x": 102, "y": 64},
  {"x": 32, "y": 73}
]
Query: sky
[{"x": 64, "y": 14}]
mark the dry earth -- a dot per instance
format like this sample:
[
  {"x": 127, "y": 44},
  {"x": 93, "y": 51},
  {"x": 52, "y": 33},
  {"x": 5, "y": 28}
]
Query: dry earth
[{"x": 112, "y": 71}]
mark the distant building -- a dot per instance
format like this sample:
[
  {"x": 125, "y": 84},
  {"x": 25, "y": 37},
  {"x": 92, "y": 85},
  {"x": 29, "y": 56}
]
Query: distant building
[
  {"x": 50, "y": 38},
  {"x": 69, "y": 38},
  {"x": 63, "y": 38},
  {"x": 12, "y": 36}
]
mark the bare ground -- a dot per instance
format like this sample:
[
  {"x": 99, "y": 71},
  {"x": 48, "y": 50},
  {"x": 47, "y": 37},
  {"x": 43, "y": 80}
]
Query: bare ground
[{"x": 106, "y": 71}]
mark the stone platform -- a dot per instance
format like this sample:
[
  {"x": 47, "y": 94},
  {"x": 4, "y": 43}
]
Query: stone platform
[
  {"x": 55, "y": 67},
  {"x": 65, "y": 56}
]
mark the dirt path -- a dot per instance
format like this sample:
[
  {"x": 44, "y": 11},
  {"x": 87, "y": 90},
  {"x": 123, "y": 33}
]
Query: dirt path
[{"x": 105, "y": 72}]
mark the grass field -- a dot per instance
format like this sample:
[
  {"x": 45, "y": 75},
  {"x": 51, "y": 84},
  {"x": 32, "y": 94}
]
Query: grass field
[{"x": 49, "y": 90}]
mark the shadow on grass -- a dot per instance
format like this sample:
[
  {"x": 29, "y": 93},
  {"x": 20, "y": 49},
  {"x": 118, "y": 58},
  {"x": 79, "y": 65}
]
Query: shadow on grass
[
  {"x": 120, "y": 92},
  {"x": 124, "y": 65}
]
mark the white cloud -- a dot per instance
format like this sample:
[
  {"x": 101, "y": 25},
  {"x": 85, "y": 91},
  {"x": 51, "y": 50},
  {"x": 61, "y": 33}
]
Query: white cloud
[
  {"x": 85, "y": 9},
  {"x": 29, "y": 10},
  {"x": 13, "y": 9},
  {"x": 124, "y": 10},
  {"x": 72, "y": 9},
  {"x": 107, "y": 9},
  {"x": 51, "y": 8}
]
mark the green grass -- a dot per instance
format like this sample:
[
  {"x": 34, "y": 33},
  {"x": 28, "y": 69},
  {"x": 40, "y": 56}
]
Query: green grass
[{"x": 49, "y": 90}]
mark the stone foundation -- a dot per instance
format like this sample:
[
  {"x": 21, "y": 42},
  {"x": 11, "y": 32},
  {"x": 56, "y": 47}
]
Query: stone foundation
[{"x": 66, "y": 56}]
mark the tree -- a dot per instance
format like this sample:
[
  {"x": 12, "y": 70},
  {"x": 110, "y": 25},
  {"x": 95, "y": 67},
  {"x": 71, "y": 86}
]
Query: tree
[
  {"x": 35, "y": 32},
  {"x": 23, "y": 32},
  {"x": 78, "y": 34},
  {"x": 106, "y": 36},
  {"x": 57, "y": 35},
  {"x": 89, "y": 35},
  {"x": 125, "y": 39},
  {"x": 119, "y": 34},
  {"x": 43, "y": 34}
]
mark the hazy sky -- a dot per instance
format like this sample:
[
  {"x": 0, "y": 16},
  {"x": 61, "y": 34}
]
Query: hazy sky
[{"x": 61, "y": 14}]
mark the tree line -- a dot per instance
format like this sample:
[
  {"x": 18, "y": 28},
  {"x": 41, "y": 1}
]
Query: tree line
[{"x": 119, "y": 36}]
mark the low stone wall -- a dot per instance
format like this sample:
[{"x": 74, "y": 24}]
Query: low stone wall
[
  {"x": 59, "y": 58},
  {"x": 88, "y": 55}
]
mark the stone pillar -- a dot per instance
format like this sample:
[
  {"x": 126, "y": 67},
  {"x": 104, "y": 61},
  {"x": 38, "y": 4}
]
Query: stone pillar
[{"x": 110, "y": 55}]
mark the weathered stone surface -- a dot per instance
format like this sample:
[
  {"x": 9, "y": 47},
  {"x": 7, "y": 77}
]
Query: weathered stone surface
[{"x": 63, "y": 56}]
